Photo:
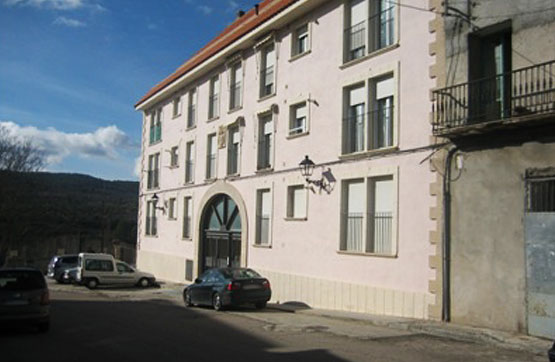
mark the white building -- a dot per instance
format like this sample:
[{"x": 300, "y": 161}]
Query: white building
[{"x": 344, "y": 82}]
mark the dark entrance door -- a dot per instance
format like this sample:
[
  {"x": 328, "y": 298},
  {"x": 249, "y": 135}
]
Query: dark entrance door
[{"x": 221, "y": 234}]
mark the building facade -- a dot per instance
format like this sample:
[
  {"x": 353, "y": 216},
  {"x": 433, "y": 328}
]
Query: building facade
[
  {"x": 494, "y": 103},
  {"x": 345, "y": 83}
]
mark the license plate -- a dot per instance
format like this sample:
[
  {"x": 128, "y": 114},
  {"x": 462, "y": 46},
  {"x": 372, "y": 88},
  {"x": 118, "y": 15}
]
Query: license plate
[
  {"x": 251, "y": 286},
  {"x": 16, "y": 302}
]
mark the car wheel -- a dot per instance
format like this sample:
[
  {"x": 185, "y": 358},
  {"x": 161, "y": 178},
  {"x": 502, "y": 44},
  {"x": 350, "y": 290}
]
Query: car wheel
[
  {"x": 92, "y": 283},
  {"x": 217, "y": 302},
  {"x": 187, "y": 298},
  {"x": 44, "y": 327},
  {"x": 260, "y": 305},
  {"x": 143, "y": 283}
]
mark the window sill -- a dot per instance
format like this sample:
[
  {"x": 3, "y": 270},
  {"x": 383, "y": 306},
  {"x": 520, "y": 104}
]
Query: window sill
[
  {"x": 298, "y": 56},
  {"x": 157, "y": 188},
  {"x": 155, "y": 142},
  {"x": 151, "y": 236},
  {"x": 264, "y": 170},
  {"x": 297, "y": 135},
  {"x": 234, "y": 110},
  {"x": 233, "y": 176},
  {"x": 369, "y": 153},
  {"x": 210, "y": 180},
  {"x": 375, "y": 53},
  {"x": 262, "y": 99},
  {"x": 358, "y": 253},
  {"x": 212, "y": 119},
  {"x": 295, "y": 218},
  {"x": 172, "y": 218},
  {"x": 176, "y": 116},
  {"x": 191, "y": 128},
  {"x": 171, "y": 167},
  {"x": 189, "y": 183},
  {"x": 262, "y": 246},
  {"x": 187, "y": 239}
]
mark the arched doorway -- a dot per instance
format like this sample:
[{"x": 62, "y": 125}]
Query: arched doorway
[{"x": 220, "y": 234}]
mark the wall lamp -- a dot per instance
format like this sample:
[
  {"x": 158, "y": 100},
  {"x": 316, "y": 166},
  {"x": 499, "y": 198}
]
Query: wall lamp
[
  {"x": 326, "y": 181},
  {"x": 154, "y": 199}
]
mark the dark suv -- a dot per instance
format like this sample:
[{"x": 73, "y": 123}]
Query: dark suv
[{"x": 59, "y": 264}]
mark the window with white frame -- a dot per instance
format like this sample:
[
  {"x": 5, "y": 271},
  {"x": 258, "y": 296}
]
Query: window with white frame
[
  {"x": 189, "y": 161},
  {"x": 369, "y": 26},
  {"x": 172, "y": 208},
  {"x": 153, "y": 176},
  {"x": 369, "y": 115},
  {"x": 211, "y": 149},
  {"x": 235, "y": 81},
  {"x": 263, "y": 216},
  {"x": 151, "y": 223},
  {"x": 174, "y": 156},
  {"x": 296, "y": 202},
  {"x": 156, "y": 126},
  {"x": 265, "y": 139},
  {"x": 368, "y": 215},
  {"x": 214, "y": 98},
  {"x": 187, "y": 217},
  {"x": 298, "y": 119},
  {"x": 192, "y": 110},
  {"x": 176, "y": 106},
  {"x": 233, "y": 150},
  {"x": 267, "y": 70},
  {"x": 300, "y": 42}
]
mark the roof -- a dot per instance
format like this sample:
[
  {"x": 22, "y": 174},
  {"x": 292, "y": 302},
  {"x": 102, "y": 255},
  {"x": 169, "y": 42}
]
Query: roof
[{"x": 241, "y": 26}]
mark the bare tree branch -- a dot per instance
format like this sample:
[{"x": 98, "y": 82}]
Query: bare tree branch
[{"x": 19, "y": 155}]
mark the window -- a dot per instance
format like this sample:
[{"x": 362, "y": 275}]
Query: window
[
  {"x": 267, "y": 71},
  {"x": 541, "y": 195},
  {"x": 124, "y": 268},
  {"x": 370, "y": 26},
  {"x": 263, "y": 214},
  {"x": 99, "y": 265},
  {"x": 176, "y": 106},
  {"x": 214, "y": 98},
  {"x": 153, "y": 171},
  {"x": 211, "y": 157},
  {"x": 296, "y": 202},
  {"x": 187, "y": 217},
  {"x": 174, "y": 156},
  {"x": 156, "y": 126},
  {"x": 151, "y": 228},
  {"x": 235, "y": 79},
  {"x": 367, "y": 222},
  {"x": 192, "y": 111},
  {"x": 374, "y": 129},
  {"x": 172, "y": 208},
  {"x": 265, "y": 131},
  {"x": 233, "y": 150},
  {"x": 189, "y": 162},
  {"x": 298, "y": 119},
  {"x": 300, "y": 42}
]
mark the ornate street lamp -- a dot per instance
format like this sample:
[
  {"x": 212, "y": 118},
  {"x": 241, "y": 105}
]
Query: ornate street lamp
[{"x": 326, "y": 181}]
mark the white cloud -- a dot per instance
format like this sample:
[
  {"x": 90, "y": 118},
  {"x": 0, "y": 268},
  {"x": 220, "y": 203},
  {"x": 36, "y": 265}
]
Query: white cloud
[
  {"x": 52, "y": 4},
  {"x": 105, "y": 142},
  {"x": 204, "y": 9},
  {"x": 72, "y": 23},
  {"x": 138, "y": 167}
]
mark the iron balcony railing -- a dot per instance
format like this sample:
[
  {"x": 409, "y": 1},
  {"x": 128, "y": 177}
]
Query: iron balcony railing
[
  {"x": 522, "y": 92},
  {"x": 214, "y": 108},
  {"x": 191, "y": 116},
  {"x": 187, "y": 227},
  {"x": 267, "y": 81},
  {"x": 235, "y": 96},
  {"x": 233, "y": 159},
  {"x": 264, "y": 153},
  {"x": 355, "y": 38},
  {"x": 152, "y": 179},
  {"x": 380, "y": 232},
  {"x": 188, "y": 171},
  {"x": 263, "y": 229},
  {"x": 210, "y": 167},
  {"x": 379, "y": 124}
]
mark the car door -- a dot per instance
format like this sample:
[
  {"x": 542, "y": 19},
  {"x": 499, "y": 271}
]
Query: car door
[
  {"x": 202, "y": 290},
  {"x": 126, "y": 274}
]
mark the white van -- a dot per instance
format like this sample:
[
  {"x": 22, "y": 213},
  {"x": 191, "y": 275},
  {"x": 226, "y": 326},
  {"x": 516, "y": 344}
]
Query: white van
[{"x": 95, "y": 269}]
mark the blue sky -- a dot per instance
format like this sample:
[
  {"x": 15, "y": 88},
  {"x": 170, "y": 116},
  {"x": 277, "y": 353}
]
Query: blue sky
[{"x": 72, "y": 70}]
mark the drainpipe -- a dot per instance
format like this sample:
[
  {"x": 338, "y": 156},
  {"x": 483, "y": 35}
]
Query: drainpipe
[{"x": 446, "y": 262}]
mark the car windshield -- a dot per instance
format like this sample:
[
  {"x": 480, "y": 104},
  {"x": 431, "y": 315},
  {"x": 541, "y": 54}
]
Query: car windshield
[
  {"x": 21, "y": 280},
  {"x": 240, "y": 273}
]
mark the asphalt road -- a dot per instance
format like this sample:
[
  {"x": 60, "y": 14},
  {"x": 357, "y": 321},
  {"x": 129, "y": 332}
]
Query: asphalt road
[{"x": 92, "y": 326}]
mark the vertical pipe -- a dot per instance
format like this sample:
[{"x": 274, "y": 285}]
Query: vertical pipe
[{"x": 446, "y": 261}]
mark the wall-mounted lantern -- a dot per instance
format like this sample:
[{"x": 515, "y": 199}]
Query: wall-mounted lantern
[
  {"x": 326, "y": 181},
  {"x": 154, "y": 199}
]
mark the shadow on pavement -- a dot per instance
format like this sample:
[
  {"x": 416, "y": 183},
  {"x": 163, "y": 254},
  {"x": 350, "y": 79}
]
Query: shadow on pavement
[{"x": 155, "y": 330}]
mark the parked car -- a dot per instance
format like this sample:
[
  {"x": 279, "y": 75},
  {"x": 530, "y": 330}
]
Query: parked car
[
  {"x": 228, "y": 287},
  {"x": 70, "y": 275},
  {"x": 58, "y": 264},
  {"x": 24, "y": 298},
  {"x": 551, "y": 353},
  {"x": 96, "y": 269}
]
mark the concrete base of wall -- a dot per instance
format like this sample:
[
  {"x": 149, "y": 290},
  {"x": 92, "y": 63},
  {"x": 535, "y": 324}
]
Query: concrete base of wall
[
  {"x": 163, "y": 266},
  {"x": 338, "y": 295}
]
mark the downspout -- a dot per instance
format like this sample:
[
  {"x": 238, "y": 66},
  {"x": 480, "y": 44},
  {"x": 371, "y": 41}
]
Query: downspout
[{"x": 446, "y": 262}]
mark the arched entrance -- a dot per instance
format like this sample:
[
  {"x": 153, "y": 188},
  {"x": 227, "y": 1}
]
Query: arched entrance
[{"x": 220, "y": 242}]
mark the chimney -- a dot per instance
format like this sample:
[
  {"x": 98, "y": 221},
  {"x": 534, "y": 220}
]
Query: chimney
[
  {"x": 240, "y": 13},
  {"x": 256, "y": 9}
]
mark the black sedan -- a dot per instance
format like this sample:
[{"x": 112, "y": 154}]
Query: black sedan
[{"x": 228, "y": 287}]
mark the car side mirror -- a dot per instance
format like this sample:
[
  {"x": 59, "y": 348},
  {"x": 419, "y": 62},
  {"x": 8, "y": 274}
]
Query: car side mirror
[{"x": 198, "y": 281}]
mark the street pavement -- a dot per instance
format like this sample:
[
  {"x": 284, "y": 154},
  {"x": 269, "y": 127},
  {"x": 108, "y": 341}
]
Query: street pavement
[{"x": 152, "y": 324}]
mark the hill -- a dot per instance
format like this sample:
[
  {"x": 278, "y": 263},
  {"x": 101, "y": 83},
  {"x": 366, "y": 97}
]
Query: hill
[{"x": 43, "y": 214}]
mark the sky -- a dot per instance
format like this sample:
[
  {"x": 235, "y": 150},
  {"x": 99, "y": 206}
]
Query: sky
[{"x": 71, "y": 72}]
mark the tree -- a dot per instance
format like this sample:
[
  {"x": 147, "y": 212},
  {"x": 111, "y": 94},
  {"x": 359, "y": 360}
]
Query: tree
[{"x": 18, "y": 154}]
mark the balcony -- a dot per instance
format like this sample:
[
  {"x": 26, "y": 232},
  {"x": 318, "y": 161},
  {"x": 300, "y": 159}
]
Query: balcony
[{"x": 523, "y": 95}]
